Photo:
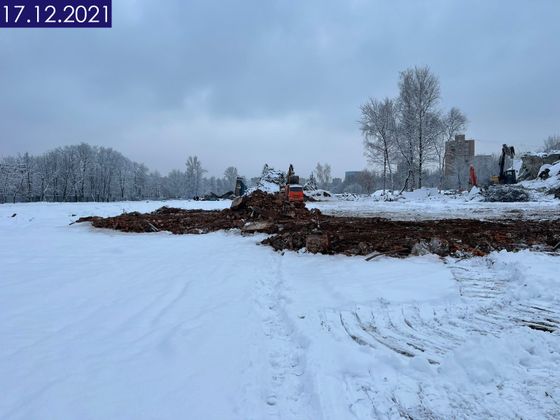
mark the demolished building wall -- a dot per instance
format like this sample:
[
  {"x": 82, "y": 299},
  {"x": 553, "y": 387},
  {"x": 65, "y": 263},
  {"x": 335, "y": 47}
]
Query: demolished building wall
[{"x": 532, "y": 163}]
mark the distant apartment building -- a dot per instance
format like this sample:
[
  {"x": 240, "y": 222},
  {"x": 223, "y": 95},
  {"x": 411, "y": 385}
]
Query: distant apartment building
[
  {"x": 335, "y": 184},
  {"x": 459, "y": 155},
  {"x": 352, "y": 177}
]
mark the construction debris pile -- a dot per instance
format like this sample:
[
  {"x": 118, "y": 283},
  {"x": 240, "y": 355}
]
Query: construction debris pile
[
  {"x": 533, "y": 163},
  {"x": 541, "y": 172},
  {"x": 257, "y": 212},
  {"x": 505, "y": 194},
  {"x": 270, "y": 181},
  {"x": 293, "y": 227}
]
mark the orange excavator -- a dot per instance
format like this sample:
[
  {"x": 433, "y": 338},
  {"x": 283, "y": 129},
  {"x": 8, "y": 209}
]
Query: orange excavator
[{"x": 293, "y": 189}]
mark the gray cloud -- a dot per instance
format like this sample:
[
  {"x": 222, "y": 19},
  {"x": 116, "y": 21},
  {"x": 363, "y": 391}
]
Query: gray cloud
[{"x": 244, "y": 82}]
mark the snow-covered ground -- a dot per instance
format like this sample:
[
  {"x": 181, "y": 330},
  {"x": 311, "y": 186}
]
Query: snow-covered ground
[
  {"x": 552, "y": 182},
  {"x": 105, "y": 325}
]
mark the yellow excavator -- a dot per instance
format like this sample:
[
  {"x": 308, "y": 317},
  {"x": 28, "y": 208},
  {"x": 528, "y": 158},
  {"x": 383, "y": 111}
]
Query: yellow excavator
[{"x": 506, "y": 176}]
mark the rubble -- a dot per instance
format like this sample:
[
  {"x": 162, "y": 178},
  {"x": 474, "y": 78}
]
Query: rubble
[
  {"x": 434, "y": 246},
  {"x": 292, "y": 226},
  {"x": 505, "y": 194},
  {"x": 253, "y": 227},
  {"x": 317, "y": 243},
  {"x": 532, "y": 162},
  {"x": 215, "y": 197},
  {"x": 547, "y": 181},
  {"x": 555, "y": 192},
  {"x": 270, "y": 181},
  {"x": 317, "y": 195}
]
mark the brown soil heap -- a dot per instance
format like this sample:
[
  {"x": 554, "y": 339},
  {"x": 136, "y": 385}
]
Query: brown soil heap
[{"x": 294, "y": 227}]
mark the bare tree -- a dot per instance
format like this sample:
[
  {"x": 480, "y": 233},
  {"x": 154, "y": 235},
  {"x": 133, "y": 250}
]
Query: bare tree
[
  {"x": 124, "y": 171},
  {"x": 27, "y": 167},
  {"x": 367, "y": 181},
  {"x": 84, "y": 156},
  {"x": 230, "y": 175},
  {"x": 379, "y": 127},
  {"x": 194, "y": 176},
  {"x": 156, "y": 186},
  {"x": 12, "y": 176},
  {"x": 418, "y": 99},
  {"x": 176, "y": 184},
  {"x": 323, "y": 175}
]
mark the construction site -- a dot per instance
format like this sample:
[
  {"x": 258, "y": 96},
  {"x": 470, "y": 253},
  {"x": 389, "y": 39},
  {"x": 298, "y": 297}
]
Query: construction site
[
  {"x": 292, "y": 226},
  {"x": 277, "y": 207},
  {"x": 277, "y": 210}
]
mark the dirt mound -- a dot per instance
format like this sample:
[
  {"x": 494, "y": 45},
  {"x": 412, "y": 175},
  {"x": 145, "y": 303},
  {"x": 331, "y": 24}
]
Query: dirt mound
[
  {"x": 258, "y": 212},
  {"x": 294, "y": 227},
  {"x": 174, "y": 220},
  {"x": 260, "y": 205},
  {"x": 366, "y": 236}
]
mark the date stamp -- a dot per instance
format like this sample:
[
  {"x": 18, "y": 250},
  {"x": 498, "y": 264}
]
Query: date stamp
[{"x": 55, "y": 14}]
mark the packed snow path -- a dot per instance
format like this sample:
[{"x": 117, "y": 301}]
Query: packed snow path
[{"x": 99, "y": 324}]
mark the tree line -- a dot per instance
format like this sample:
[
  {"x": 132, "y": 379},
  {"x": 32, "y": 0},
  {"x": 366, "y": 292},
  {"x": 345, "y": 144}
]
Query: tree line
[
  {"x": 552, "y": 144},
  {"x": 91, "y": 173}
]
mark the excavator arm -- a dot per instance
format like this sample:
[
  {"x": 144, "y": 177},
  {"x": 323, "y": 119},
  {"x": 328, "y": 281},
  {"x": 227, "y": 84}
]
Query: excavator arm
[{"x": 506, "y": 177}]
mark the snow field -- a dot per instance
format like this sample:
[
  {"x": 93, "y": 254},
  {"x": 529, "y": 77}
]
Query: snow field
[{"x": 101, "y": 324}]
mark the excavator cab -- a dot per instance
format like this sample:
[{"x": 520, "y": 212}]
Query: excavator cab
[
  {"x": 293, "y": 189},
  {"x": 294, "y": 192},
  {"x": 507, "y": 176}
]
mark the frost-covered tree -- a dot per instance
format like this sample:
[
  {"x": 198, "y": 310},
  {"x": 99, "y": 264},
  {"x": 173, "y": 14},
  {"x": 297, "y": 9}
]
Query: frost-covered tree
[
  {"x": 177, "y": 184},
  {"x": 552, "y": 143},
  {"x": 311, "y": 183},
  {"x": 230, "y": 175},
  {"x": 12, "y": 177},
  {"x": 84, "y": 157},
  {"x": 380, "y": 130},
  {"x": 194, "y": 174},
  {"x": 323, "y": 175},
  {"x": 419, "y": 96}
]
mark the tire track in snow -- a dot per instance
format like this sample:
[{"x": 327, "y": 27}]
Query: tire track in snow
[{"x": 488, "y": 309}]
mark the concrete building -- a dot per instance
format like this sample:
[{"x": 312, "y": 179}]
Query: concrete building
[
  {"x": 352, "y": 177},
  {"x": 336, "y": 185},
  {"x": 459, "y": 155}
]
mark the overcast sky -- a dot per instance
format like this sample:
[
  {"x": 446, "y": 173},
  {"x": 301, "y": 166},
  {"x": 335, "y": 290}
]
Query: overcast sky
[{"x": 252, "y": 81}]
